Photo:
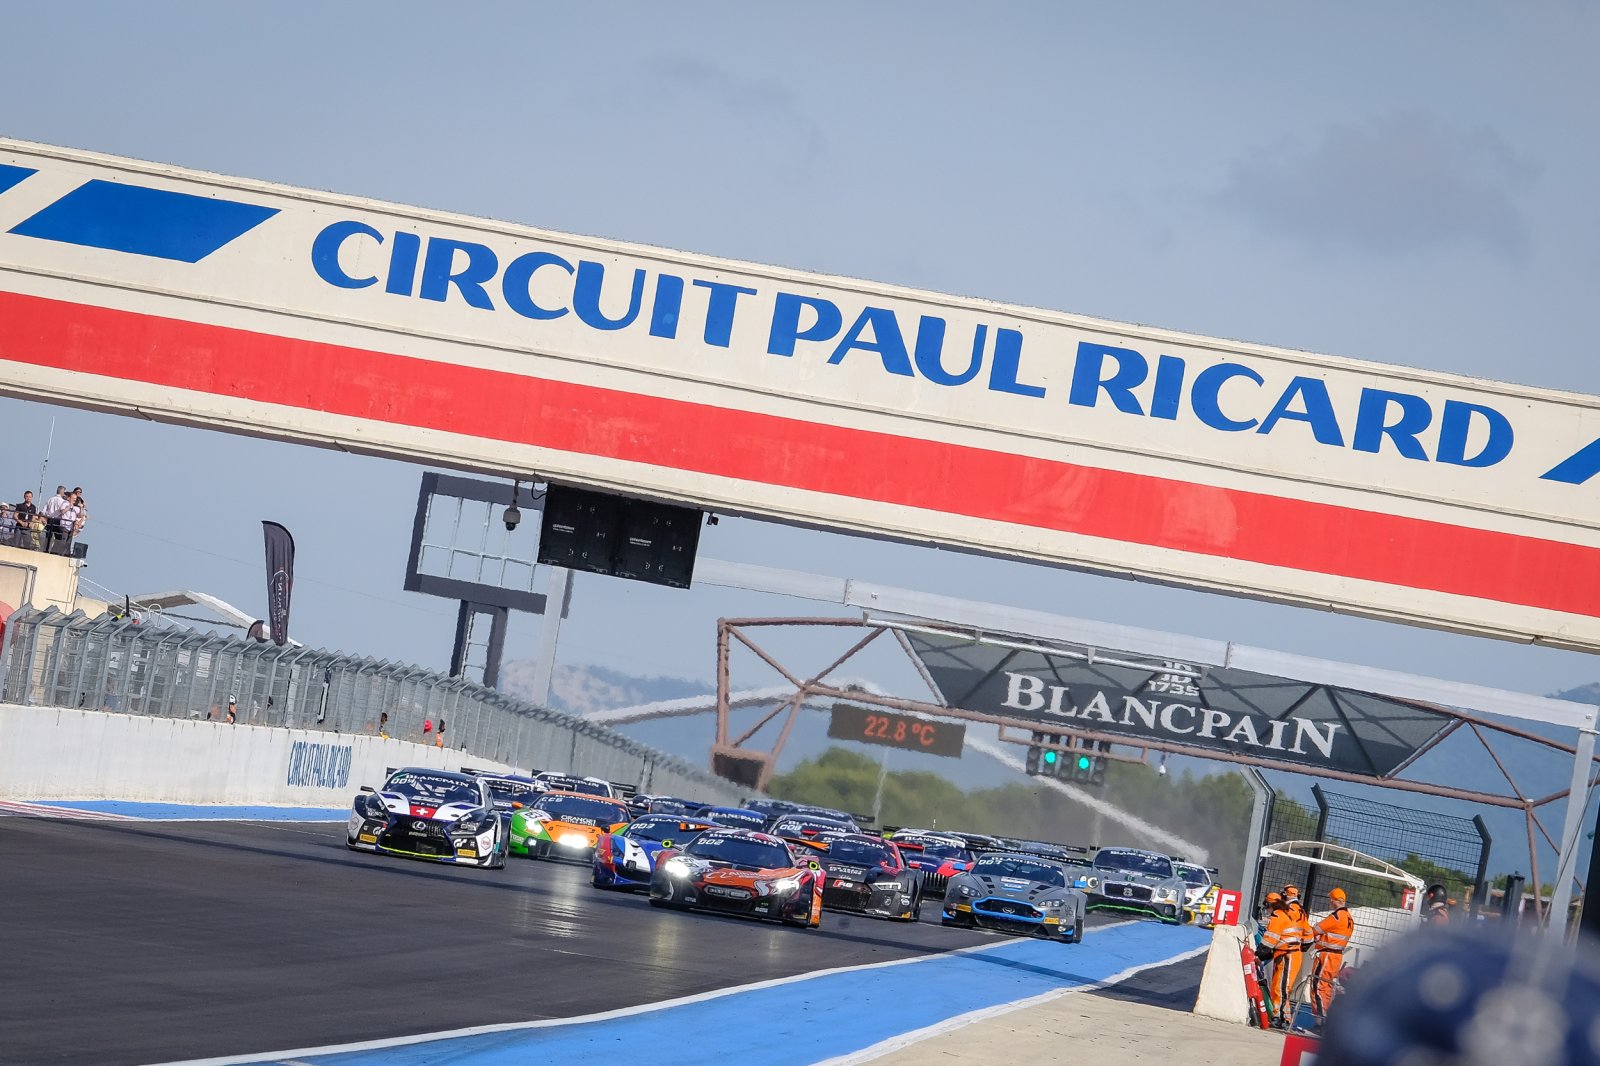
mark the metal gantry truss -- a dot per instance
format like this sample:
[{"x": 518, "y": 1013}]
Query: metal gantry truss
[{"x": 738, "y": 757}]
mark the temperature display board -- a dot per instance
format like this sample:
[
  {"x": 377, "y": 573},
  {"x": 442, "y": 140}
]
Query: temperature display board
[{"x": 897, "y": 730}]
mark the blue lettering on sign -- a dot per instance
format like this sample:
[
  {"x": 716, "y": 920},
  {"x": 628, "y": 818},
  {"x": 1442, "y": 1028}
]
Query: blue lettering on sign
[
  {"x": 315, "y": 765},
  {"x": 1224, "y": 395}
]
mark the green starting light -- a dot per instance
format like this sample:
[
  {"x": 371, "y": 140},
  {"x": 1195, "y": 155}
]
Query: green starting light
[
  {"x": 1050, "y": 758},
  {"x": 1083, "y": 762}
]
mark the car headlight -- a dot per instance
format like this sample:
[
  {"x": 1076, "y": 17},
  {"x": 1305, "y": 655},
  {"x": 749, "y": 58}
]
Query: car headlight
[
  {"x": 675, "y": 867},
  {"x": 1166, "y": 894},
  {"x": 783, "y": 885},
  {"x": 573, "y": 840},
  {"x": 891, "y": 885},
  {"x": 965, "y": 892},
  {"x": 470, "y": 824},
  {"x": 1052, "y": 904}
]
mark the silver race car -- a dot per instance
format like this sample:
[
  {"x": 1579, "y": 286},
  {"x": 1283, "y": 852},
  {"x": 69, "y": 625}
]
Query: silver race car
[
  {"x": 1016, "y": 893},
  {"x": 1135, "y": 881}
]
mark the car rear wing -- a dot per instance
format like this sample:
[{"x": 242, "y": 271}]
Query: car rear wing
[{"x": 816, "y": 845}]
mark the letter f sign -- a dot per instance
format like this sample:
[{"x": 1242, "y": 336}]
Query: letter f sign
[{"x": 1227, "y": 912}]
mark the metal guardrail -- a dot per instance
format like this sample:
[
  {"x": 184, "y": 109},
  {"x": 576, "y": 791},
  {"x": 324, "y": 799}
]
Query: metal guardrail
[{"x": 122, "y": 665}]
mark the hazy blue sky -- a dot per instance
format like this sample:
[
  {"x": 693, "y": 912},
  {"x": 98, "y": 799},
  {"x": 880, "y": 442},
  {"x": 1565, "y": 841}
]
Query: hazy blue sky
[{"x": 1406, "y": 183}]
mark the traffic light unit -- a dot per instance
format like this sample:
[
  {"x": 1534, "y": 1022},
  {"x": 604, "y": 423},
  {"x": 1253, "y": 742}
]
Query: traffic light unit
[{"x": 1085, "y": 765}]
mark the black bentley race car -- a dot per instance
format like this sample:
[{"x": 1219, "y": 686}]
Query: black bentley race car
[{"x": 1135, "y": 881}]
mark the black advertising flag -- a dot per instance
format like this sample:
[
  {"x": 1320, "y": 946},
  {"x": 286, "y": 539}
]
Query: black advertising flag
[{"x": 280, "y": 579}]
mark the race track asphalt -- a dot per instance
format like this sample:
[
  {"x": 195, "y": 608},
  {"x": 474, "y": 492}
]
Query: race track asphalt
[{"x": 142, "y": 942}]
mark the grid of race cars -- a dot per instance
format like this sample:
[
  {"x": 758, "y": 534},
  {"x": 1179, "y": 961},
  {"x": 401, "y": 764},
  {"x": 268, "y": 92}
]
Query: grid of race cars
[{"x": 771, "y": 859}]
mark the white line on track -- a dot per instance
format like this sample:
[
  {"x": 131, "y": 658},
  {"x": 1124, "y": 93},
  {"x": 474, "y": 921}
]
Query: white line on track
[
  {"x": 289, "y": 1057},
  {"x": 45, "y": 810}
]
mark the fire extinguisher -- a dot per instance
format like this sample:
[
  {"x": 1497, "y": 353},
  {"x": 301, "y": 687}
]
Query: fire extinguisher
[{"x": 1259, "y": 1015}]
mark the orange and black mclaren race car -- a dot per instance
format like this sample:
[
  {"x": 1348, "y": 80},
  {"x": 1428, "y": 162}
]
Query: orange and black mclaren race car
[{"x": 740, "y": 871}]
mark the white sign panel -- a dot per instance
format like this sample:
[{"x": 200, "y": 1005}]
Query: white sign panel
[{"x": 258, "y": 308}]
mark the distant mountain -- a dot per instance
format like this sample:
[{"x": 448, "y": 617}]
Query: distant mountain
[
  {"x": 1589, "y": 693},
  {"x": 581, "y": 689}
]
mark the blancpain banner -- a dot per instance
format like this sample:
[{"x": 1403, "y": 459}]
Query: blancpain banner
[{"x": 1213, "y": 708}]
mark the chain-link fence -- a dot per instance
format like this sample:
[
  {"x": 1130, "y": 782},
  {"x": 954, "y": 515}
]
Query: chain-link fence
[
  {"x": 113, "y": 664},
  {"x": 1439, "y": 848}
]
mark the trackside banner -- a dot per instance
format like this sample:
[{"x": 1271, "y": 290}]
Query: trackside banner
[{"x": 257, "y": 308}]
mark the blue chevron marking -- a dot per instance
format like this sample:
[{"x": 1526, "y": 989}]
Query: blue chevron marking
[
  {"x": 153, "y": 222},
  {"x": 10, "y": 175}
]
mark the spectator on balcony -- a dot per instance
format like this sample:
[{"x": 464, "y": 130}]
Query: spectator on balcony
[
  {"x": 8, "y": 524},
  {"x": 83, "y": 512},
  {"x": 25, "y": 513},
  {"x": 67, "y": 523},
  {"x": 33, "y": 535},
  {"x": 52, "y": 512}
]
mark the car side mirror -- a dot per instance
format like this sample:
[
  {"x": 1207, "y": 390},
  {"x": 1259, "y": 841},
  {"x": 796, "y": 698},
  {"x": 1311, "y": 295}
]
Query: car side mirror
[
  {"x": 516, "y": 805},
  {"x": 368, "y": 788}
]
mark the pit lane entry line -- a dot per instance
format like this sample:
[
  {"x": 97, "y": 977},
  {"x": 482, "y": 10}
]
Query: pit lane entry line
[{"x": 841, "y": 1015}]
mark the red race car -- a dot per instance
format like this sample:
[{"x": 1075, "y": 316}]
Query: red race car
[{"x": 740, "y": 871}]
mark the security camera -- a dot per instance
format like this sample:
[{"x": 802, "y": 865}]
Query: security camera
[{"x": 513, "y": 515}]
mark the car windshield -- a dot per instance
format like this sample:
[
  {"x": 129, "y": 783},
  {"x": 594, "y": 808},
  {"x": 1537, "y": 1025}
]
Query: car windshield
[
  {"x": 727, "y": 816},
  {"x": 433, "y": 790},
  {"x": 935, "y": 849},
  {"x": 794, "y": 826},
  {"x": 1007, "y": 866},
  {"x": 869, "y": 852},
  {"x": 659, "y": 829},
  {"x": 507, "y": 792},
  {"x": 672, "y": 806},
  {"x": 1137, "y": 862},
  {"x": 1193, "y": 876},
  {"x": 561, "y": 783},
  {"x": 745, "y": 851},
  {"x": 583, "y": 809}
]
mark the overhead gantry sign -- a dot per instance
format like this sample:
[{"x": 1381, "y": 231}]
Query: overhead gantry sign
[{"x": 257, "y": 308}]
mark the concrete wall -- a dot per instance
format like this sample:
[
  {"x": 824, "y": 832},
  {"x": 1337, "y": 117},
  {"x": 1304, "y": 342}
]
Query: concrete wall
[
  {"x": 50, "y": 753},
  {"x": 30, "y": 577}
]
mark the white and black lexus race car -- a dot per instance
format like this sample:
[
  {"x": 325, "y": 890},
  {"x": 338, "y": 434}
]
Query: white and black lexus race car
[{"x": 429, "y": 814}]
